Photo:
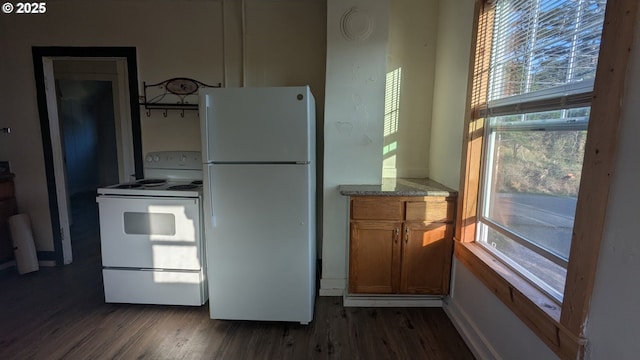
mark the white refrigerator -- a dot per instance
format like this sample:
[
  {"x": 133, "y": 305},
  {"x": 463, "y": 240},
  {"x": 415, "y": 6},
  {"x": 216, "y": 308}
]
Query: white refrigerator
[{"x": 259, "y": 202}]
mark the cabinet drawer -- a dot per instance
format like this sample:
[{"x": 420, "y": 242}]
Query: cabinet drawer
[
  {"x": 376, "y": 208},
  {"x": 436, "y": 209}
]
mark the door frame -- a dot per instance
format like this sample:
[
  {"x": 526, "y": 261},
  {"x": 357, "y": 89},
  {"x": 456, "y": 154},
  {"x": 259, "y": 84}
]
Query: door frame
[
  {"x": 122, "y": 118},
  {"x": 57, "y": 189}
]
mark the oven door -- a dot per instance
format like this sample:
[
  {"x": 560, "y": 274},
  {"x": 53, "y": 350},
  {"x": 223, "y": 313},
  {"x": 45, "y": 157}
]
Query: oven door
[{"x": 150, "y": 233}]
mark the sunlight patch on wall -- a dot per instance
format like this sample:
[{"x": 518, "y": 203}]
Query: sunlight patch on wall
[
  {"x": 392, "y": 101},
  {"x": 391, "y": 122}
]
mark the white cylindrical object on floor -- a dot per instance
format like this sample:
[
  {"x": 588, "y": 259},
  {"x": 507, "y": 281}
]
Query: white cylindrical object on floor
[{"x": 24, "y": 248}]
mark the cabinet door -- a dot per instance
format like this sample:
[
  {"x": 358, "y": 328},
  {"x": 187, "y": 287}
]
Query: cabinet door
[
  {"x": 426, "y": 258},
  {"x": 374, "y": 257},
  {"x": 7, "y": 209}
]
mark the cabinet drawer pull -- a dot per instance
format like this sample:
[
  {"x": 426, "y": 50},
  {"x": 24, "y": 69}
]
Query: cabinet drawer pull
[{"x": 406, "y": 235}]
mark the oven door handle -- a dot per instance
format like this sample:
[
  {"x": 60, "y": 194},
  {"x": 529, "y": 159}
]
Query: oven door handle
[{"x": 107, "y": 198}]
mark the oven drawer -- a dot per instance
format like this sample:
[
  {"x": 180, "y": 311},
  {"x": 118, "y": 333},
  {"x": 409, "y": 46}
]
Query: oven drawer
[
  {"x": 154, "y": 233},
  {"x": 154, "y": 287}
]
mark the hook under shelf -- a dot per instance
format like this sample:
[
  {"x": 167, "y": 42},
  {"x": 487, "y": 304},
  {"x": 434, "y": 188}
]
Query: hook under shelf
[{"x": 172, "y": 94}]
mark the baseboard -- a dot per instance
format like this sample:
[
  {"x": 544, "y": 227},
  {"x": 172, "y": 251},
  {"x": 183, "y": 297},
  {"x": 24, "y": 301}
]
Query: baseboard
[
  {"x": 7, "y": 264},
  {"x": 477, "y": 343},
  {"x": 391, "y": 301},
  {"x": 332, "y": 287},
  {"x": 41, "y": 263}
]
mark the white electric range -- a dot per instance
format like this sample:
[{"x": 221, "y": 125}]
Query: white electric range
[{"x": 151, "y": 234}]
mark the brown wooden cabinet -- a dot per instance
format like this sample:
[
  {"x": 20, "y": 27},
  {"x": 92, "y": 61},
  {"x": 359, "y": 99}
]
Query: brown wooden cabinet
[
  {"x": 7, "y": 209},
  {"x": 400, "y": 245}
]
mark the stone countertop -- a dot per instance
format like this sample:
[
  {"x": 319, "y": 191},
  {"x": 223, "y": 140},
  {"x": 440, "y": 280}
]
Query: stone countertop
[{"x": 399, "y": 187}]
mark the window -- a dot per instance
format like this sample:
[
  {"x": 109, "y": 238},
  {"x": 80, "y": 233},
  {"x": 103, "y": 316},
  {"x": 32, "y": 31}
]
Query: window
[
  {"x": 525, "y": 123},
  {"x": 543, "y": 61}
]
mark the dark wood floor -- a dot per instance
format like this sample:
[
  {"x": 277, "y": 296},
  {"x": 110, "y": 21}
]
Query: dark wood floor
[{"x": 59, "y": 313}]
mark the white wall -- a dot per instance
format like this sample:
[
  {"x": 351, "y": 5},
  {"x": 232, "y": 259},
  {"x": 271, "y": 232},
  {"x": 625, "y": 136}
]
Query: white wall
[
  {"x": 412, "y": 52},
  {"x": 455, "y": 22},
  {"x": 353, "y": 122},
  {"x": 488, "y": 327},
  {"x": 173, "y": 39},
  {"x": 285, "y": 39},
  {"x": 612, "y": 326}
]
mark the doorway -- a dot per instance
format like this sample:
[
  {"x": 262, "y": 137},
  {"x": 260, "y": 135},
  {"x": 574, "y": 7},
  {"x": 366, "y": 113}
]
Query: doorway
[
  {"x": 88, "y": 115},
  {"x": 90, "y": 123}
]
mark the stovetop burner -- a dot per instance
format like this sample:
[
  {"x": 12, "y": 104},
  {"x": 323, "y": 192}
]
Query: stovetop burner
[
  {"x": 129, "y": 186},
  {"x": 151, "y": 182},
  {"x": 166, "y": 174}
]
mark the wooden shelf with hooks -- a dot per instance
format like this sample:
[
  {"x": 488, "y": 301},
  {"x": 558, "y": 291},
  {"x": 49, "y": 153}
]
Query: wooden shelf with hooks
[{"x": 172, "y": 94}]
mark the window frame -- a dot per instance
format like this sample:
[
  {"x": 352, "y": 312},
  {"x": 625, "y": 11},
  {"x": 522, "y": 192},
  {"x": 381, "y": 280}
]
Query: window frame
[
  {"x": 485, "y": 185},
  {"x": 561, "y": 327}
]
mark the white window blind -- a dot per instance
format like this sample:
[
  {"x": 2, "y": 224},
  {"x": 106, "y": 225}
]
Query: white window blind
[{"x": 544, "y": 54}]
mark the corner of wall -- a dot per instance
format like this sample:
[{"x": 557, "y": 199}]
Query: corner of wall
[
  {"x": 455, "y": 19},
  {"x": 357, "y": 33}
]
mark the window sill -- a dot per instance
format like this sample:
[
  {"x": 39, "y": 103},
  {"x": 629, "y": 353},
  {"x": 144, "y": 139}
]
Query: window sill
[{"x": 536, "y": 309}]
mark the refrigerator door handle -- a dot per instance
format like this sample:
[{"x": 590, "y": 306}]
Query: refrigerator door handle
[
  {"x": 204, "y": 128},
  {"x": 211, "y": 209}
]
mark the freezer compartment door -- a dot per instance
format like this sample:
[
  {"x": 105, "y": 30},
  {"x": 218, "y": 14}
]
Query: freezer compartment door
[
  {"x": 261, "y": 242},
  {"x": 154, "y": 233},
  {"x": 271, "y": 124},
  {"x": 154, "y": 287}
]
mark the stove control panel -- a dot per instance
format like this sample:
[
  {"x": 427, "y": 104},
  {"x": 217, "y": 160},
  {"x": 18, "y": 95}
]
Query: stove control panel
[{"x": 173, "y": 160}]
